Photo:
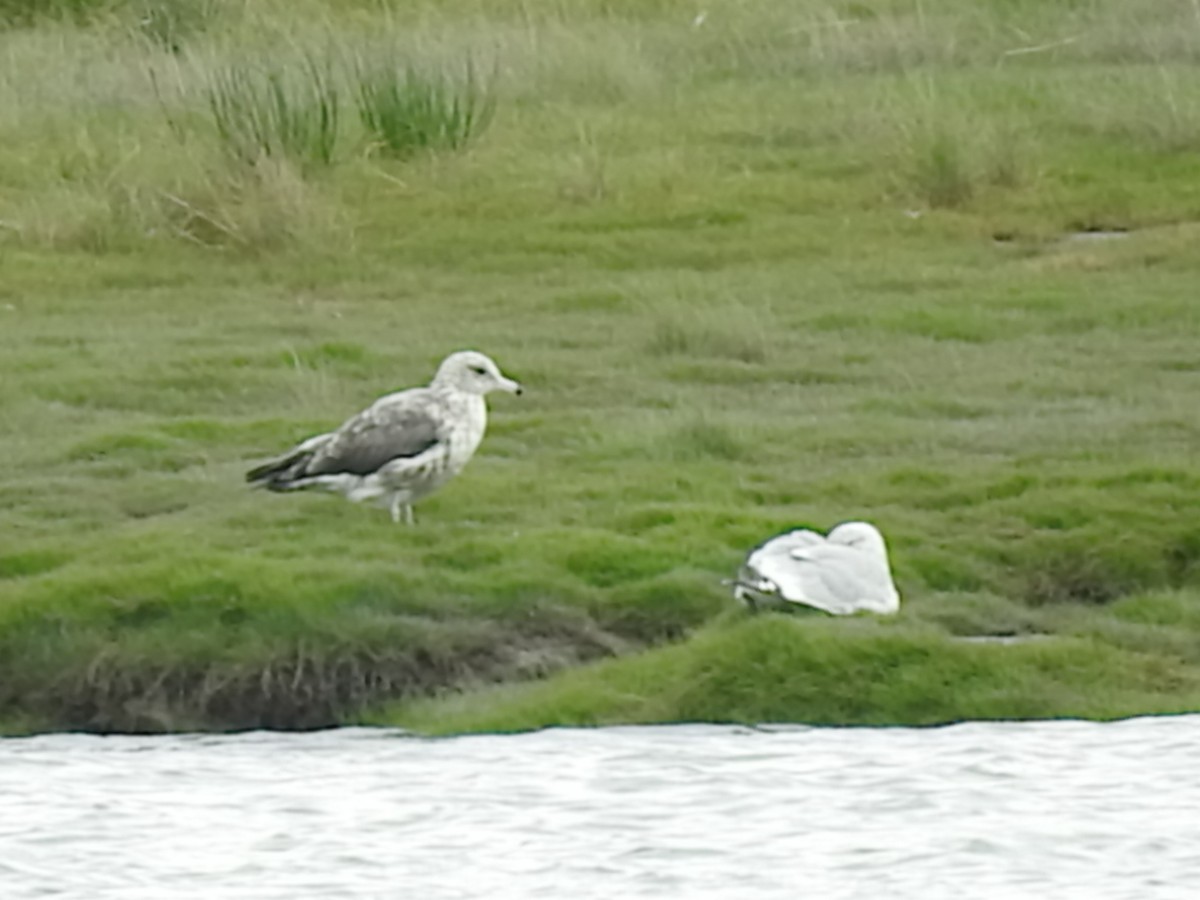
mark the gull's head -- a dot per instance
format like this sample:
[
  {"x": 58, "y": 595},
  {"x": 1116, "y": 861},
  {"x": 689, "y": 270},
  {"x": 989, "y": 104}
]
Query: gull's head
[
  {"x": 860, "y": 535},
  {"x": 751, "y": 588},
  {"x": 865, "y": 537},
  {"x": 473, "y": 373}
]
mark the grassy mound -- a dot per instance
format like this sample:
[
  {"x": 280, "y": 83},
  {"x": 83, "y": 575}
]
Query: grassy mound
[
  {"x": 782, "y": 669},
  {"x": 767, "y": 266}
]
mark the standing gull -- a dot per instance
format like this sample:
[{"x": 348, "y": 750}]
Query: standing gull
[
  {"x": 844, "y": 573},
  {"x": 403, "y": 447}
]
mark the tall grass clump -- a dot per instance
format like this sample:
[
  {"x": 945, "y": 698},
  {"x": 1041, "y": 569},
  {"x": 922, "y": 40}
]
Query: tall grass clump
[
  {"x": 941, "y": 175},
  {"x": 268, "y": 207},
  {"x": 407, "y": 109},
  {"x": 952, "y": 163},
  {"x": 284, "y": 112}
]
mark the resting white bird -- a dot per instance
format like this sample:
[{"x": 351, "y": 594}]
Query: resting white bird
[
  {"x": 401, "y": 448},
  {"x": 844, "y": 573}
]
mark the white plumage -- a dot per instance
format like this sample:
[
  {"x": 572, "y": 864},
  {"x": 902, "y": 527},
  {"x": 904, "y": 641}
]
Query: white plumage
[
  {"x": 401, "y": 448},
  {"x": 844, "y": 573}
]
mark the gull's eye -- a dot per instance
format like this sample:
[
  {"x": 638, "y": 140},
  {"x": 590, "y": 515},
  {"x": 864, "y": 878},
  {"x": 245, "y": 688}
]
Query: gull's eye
[{"x": 479, "y": 370}]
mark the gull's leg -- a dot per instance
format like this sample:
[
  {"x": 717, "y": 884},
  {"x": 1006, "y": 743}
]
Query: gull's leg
[
  {"x": 395, "y": 507},
  {"x": 408, "y": 514}
]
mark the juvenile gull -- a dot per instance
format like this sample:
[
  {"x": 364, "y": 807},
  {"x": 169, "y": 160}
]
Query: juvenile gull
[
  {"x": 403, "y": 447},
  {"x": 844, "y": 573}
]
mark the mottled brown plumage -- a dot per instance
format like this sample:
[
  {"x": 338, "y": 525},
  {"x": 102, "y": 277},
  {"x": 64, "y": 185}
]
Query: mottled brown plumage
[{"x": 401, "y": 448}]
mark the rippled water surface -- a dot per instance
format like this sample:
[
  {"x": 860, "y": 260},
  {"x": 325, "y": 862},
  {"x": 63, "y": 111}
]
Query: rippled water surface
[{"x": 1021, "y": 810}]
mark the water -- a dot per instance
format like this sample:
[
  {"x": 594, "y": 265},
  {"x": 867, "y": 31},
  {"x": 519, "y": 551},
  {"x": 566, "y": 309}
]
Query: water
[{"x": 1001, "y": 810}]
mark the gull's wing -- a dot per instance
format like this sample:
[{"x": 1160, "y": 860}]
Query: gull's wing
[
  {"x": 758, "y": 572},
  {"x": 398, "y": 426},
  {"x": 838, "y": 579},
  {"x": 783, "y": 544},
  {"x": 770, "y": 552}
]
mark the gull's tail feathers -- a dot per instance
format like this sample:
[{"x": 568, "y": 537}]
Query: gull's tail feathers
[{"x": 288, "y": 472}]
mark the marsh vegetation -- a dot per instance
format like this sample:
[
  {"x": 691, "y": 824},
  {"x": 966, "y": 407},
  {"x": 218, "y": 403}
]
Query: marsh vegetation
[{"x": 757, "y": 265}]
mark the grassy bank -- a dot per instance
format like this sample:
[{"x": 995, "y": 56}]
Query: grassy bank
[
  {"x": 777, "y": 669},
  {"x": 756, "y": 264}
]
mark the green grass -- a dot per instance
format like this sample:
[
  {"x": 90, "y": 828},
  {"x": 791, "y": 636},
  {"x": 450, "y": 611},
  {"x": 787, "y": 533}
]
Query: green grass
[
  {"x": 782, "y": 266},
  {"x": 16, "y": 13},
  {"x": 406, "y": 109},
  {"x": 286, "y": 113},
  {"x": 779, "y": 669}
]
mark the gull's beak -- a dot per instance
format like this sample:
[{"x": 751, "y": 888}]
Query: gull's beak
[
  {"x": 744, "y": 594},
  {"x": 739, "y": 587},
  {"x": 739, "y": 584},
  {"x": 513, "y": 387}
]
